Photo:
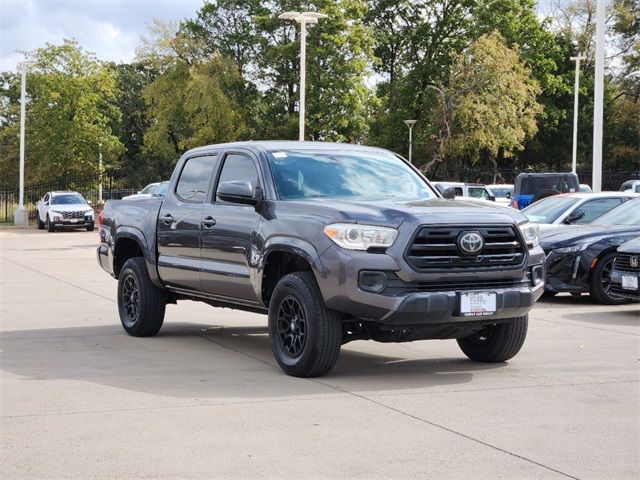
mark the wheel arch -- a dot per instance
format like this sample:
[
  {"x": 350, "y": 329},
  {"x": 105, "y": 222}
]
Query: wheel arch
[{"x": 129, "y": 243}]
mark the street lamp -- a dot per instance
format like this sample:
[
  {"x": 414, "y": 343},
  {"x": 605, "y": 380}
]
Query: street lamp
[
  {"x": 598, "y": 96},
  {"x": 410, "y": 124},
  {"x": 574, "y": 156},
  {"x": 21, "y": 216},
  {"x": 100, "y": 173},
  {"x": 303, "y": 19}
]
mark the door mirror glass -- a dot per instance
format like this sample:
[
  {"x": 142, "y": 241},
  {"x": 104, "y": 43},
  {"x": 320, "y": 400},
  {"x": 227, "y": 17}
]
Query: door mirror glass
[{"x": 239, "y": 191}]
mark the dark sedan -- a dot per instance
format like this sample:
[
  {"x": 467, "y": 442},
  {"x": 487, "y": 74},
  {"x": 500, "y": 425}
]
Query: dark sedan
[
  {"x": 580, "y": 259},
  {"x": 626, "y": 271}
]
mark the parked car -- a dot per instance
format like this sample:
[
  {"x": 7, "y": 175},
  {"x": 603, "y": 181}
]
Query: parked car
[
  {"x": 625, "y": 276},
  {"x": 64, "y": 210},
  {"x": 471, "y": 190},
  {"x": 584, "y": 188},
  {"x": 158, "y": 189},
  {"x": 502, "y": 193},
  {"x": 630, "y": 186},
  {"x": 579, "y": 259},
  {"x": 335, "y": 242},
  {"x": 574, "y": 208},
  {"x": 531, "y": 187}
]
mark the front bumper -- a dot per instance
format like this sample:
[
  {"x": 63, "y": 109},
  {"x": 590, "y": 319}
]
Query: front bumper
[
  {"x": 616, "y": 285},
  {"x": 80, "y": 223},
  {"x": 338, "y": 282}
]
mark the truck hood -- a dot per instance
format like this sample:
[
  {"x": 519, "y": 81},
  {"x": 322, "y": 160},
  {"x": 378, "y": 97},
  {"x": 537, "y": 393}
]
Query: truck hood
[{"x": 389, "y": 213}]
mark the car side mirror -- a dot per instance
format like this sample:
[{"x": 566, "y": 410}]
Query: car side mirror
[
  {"x": 239, "y": 191},
  {"x": 449, "y": 193},
  {"x": 508, "y": 196},
  {"x": 89, "y": 202},
  {"x": 491, "y": 198},
  {"x": 574, "y": 217}
]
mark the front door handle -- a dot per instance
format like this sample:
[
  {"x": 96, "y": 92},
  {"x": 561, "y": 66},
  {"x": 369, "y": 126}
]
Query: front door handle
[
  {"x": 167, "y": 219},
  {"x": 208, "y": 222}
]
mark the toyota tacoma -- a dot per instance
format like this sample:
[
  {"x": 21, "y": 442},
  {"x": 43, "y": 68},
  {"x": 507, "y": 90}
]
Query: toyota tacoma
[{"x": 334, "y": 242}]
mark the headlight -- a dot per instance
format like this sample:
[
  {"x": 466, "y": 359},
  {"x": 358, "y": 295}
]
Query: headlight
[
  {"x": 88, "y": 213},
  {"x": 360, "y": 237},
  {"x": 531, "y": 234},
  {"x": 573, "y": 249}
]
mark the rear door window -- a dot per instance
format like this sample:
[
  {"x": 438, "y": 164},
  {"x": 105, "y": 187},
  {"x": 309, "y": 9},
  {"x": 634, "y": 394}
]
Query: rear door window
[
  {"x": 195, "y": 178},
  {"x": 594, "y": 208}
]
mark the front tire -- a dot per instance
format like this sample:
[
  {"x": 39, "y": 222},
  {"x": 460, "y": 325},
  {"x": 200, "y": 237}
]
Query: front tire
[
  {"x": 305, "y": 335},
  {"x": 141, "y": 304},
  {"x": 600, "y": 281},
  {"x": 40, "y": 222},
  {"x": 90, "y": 228},
  {"x": 49, "y": 226},
  {"x": 496, "y": 343}
]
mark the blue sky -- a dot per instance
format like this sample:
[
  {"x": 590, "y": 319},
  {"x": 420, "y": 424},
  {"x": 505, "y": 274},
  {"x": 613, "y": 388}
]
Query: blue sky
[{"x": 109, "y": 28}]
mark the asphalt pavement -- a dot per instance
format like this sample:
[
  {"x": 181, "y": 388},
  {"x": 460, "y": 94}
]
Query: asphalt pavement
[{"x": 80, "y": 399}]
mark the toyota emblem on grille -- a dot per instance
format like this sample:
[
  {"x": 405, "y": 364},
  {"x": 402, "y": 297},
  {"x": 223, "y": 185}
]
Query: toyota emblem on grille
[
  {"x": 470, "y": 243},
  {"x": 633, "y": 261}
]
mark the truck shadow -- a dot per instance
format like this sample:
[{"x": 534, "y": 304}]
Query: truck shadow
[{"x": 200, "y": 361}]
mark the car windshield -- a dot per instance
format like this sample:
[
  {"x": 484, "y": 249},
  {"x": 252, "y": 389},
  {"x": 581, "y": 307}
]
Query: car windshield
[
  {"x": 357, "y": 175},
  {"x": 626, "y": 214},
  {"x": 149, "y": 188},
  {"x": 549, "y": 209},
  {"x": 68, "y": 199},
  {"x": 501, "y": 192},
  {"x": 160, "y": 190}
]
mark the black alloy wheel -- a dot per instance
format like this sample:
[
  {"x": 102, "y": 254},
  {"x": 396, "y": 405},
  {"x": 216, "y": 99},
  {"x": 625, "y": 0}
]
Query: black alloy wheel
[
  {"x": 130, "y": 300},
  {"x": 292, "y": 326},
  {"x": 600, "y": 281}
]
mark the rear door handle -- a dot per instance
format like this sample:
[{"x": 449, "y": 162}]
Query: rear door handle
[
  {"x": 167, "y": 219},
  {"x": 208, "y": 222}
]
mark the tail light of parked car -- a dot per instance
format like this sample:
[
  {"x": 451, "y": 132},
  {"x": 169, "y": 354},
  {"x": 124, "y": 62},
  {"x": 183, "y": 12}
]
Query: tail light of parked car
[{"x": 101, "y": 219}]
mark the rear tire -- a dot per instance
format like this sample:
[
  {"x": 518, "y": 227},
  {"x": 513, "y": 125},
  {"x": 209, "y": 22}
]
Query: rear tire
[
  {"x": 305, "y": 335},
  {"x": 496, "y": 343},
  {"x": 141, "y": 304},
  {"x": 49, "y": 225},
  {"x": 600, "y": 281}
]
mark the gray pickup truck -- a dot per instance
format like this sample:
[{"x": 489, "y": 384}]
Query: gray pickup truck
[{"x": 334, "y": 242}]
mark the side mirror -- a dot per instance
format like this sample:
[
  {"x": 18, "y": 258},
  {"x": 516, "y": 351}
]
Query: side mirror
[
  {"x": 491, "y": 198},
  {"x": 239, "y": 191},
  {"x": 508, "y": 196},
  {"x": 89, "y": 202},
  {"x": 449, "y": 193},
  {"x": 574, "y": 217}
]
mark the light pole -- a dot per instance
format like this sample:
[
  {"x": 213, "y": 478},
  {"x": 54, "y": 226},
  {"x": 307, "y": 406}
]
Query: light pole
[
  {"x": 21, "y": 216},
  {"x": 576, "y": 86},
  {"x": 303, "y": 19},
  {"x": 410, "y": 124},
  {"x": 598, "y": 97},
  {"x": 100, "y": 173}
]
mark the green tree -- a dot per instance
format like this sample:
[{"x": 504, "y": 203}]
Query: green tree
[
  {"x": 488, "y": 105},
  {"x": 70, "y": 112}
]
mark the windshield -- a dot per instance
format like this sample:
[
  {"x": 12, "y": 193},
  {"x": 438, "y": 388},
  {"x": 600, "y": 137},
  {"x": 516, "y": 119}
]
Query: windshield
[
  {"x": 372, "y": 176},
  {"x": 149, "y": 188},
  {"x": 68, "y": 199},
  {"x": 549, "y": 209},
  {"x": 160, "y": 190},
  {"x": 501, "y": 192},
  {"x": 626, "y": 214}
]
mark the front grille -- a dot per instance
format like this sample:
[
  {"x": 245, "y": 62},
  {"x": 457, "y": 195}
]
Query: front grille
[
  {"x": 436, "y": 247},
  {"x": 70, "y": 215},
  {"x": 396, "y": 286},
  {"x": 623, "y": 263}
]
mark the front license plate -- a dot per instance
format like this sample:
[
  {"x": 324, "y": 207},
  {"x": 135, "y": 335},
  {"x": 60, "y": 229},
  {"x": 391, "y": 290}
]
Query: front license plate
[
  {"x": 74, "y": 220},
  {"x": 629, "y": 282},
  {"x": 477, "y": 304}
]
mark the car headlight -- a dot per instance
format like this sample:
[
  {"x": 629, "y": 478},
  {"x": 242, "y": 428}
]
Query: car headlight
[
  {"x": 572, "y": 249},
  {"x": 531, "y": 234},
  {"x": 353, "y": 236},
  {"x": 88, "y": 213}
]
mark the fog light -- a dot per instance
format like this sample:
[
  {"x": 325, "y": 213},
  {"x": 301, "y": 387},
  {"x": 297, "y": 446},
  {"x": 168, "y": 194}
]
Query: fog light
[
  {"x": 537, "y": 275},
  {"x": 372, "y": 281}
]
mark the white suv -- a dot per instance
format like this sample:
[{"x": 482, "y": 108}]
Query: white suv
[{"x": 64, "y": 209}]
